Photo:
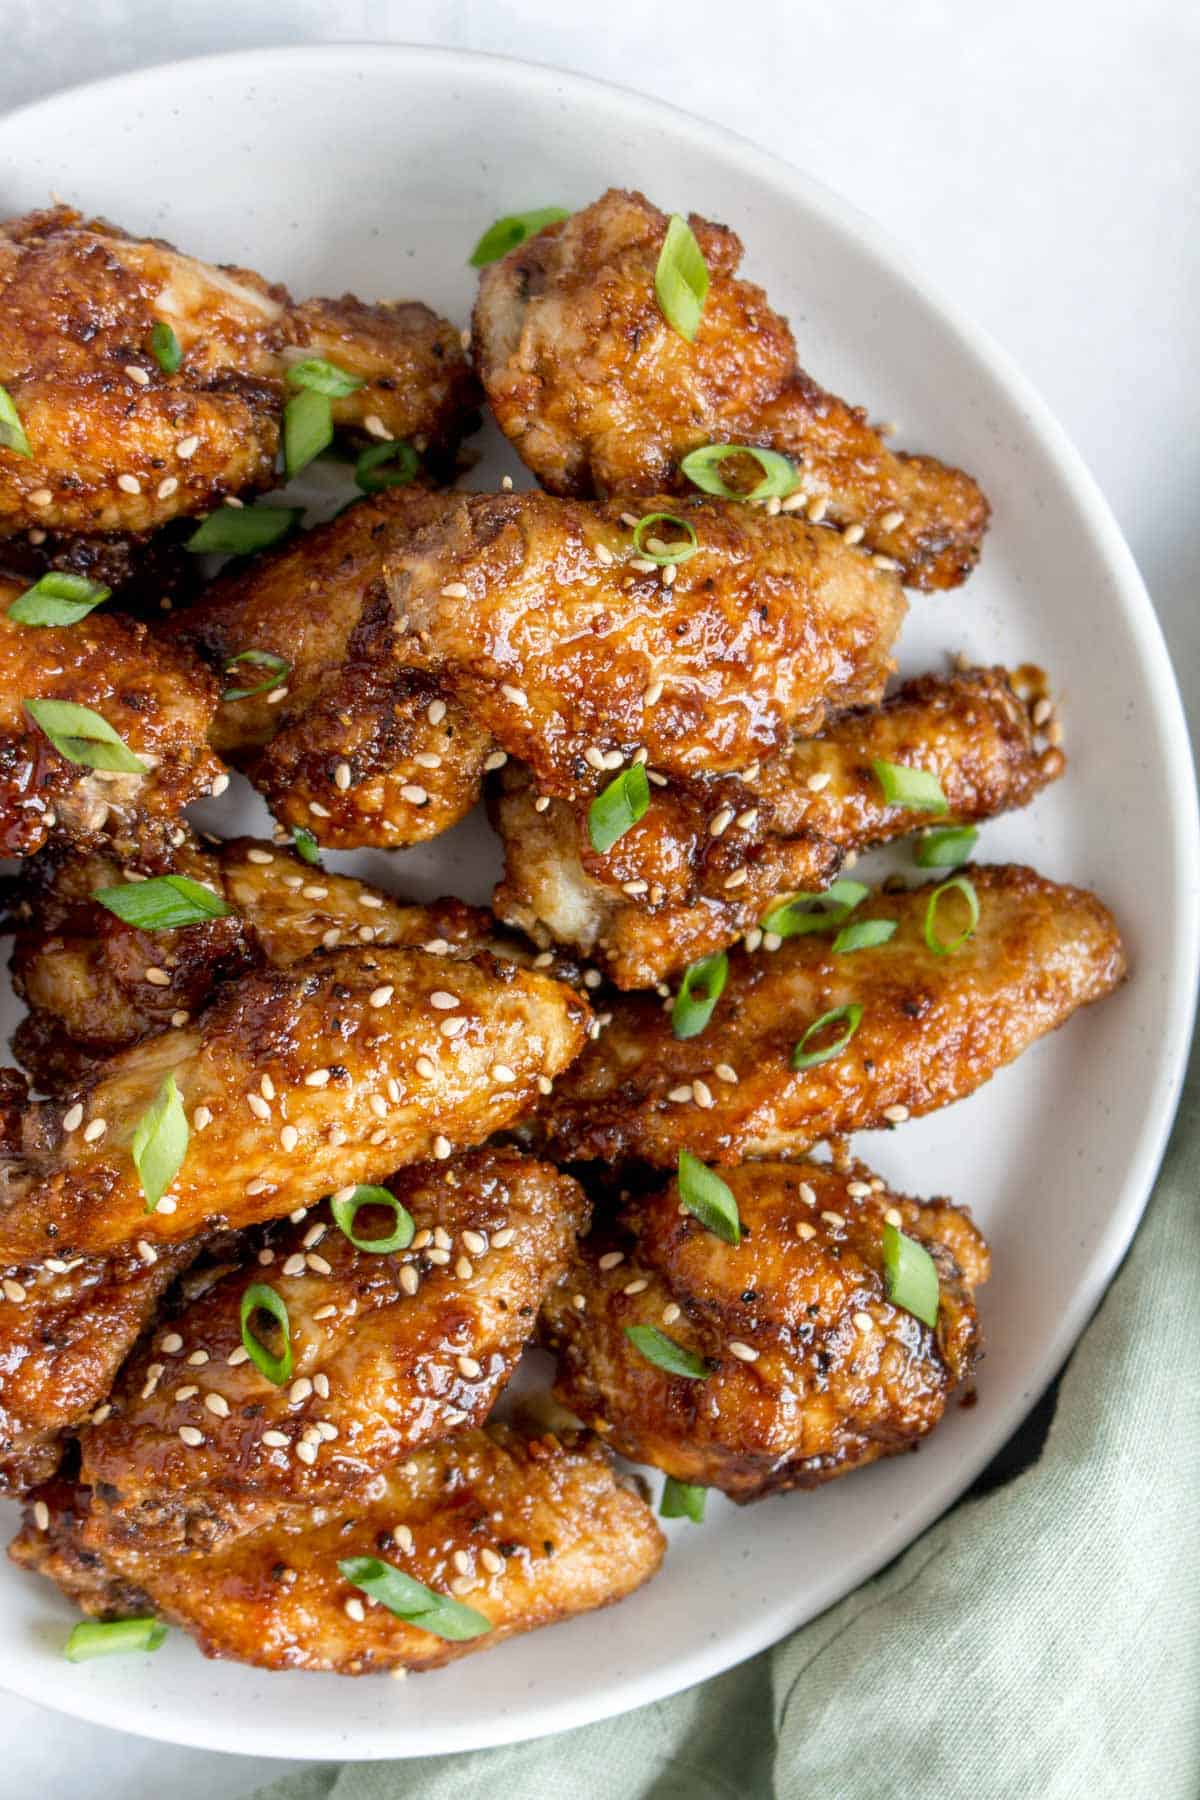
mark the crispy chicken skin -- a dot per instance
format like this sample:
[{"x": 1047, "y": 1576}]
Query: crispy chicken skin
[
  {"x": 527, "y": 1530},
  {"x": 119, "y": 445},
  {"x": 813, "y": 1371},
  {"x": 934, "y": 1028},
  {"x": 391, "y": 1353},
  {"x": 599, "y": 394},
  {"x": 335, "y": 1055},
  {"x": 158, "y": 698},
  {"x": 783, "y": 826}
]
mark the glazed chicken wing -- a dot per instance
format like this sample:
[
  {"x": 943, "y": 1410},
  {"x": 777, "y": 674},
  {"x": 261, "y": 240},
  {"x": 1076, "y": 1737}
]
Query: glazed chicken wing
[
  {"x": 932, "y": 1030},
  {"x": 526, "y": 1530},
  {"x": 703, "y": 865},
  {"x": 811, "y": 1370},
  {"x": 600, "y": 394},
  {"x": 118, "y": 444}
]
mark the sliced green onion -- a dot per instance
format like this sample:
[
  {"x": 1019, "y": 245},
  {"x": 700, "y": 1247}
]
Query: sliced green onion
[
  {"x": 278, "y": 669},
  {"x": 307, "y": 429},
  {"x": 863, "y": 934},
  {"x": 345, "y": 1206},
  {"x": 258, "y": 1297},
  {"x": 946, "y": 848},
  {"x": 160, "y": 1143},
  {"x": 82, "y": 736},
  {"x": 668, "y": 553},
  {"x": 165, "y": 345},
  {"x": 321, "y": 377},
  {"x": 241, "y": 530},
  {"x": 58, "y": 599},
  {"x": 93, "y": 1638},
  {"x": 703, "y": 470},
  {"x": 618, "y": 807},
  {"x": 306, "y": 846},
  {"x": 802, "y": 913},
  {"x": 507, "y": 233},
  {"x": 702, "y": 986},
  {"x": 681, "y": 278},
  {"x": 412, "y": 1601},
  {"x": 12, "y": 432},
  {"x": 958, "y": 884},
  {"x": 665, "y": 1353},
  {"x": 914, "y": 788},
  {"x": 680, "y": 1500},
  {"x": 708, "y": 1198},
  {"x": 910, "y": 1276},
  {"x": 163, "y": 903},
  {"x": 851, "y": 1018},
  {"x": 374, "y": 469}
]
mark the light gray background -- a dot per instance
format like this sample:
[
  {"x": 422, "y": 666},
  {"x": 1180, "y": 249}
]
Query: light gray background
[{"x": 1040, "y": 159}]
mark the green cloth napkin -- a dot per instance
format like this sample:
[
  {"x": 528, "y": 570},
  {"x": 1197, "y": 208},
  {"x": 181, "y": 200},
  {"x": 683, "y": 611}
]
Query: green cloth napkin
[{"x": 1039, "y": 1643}]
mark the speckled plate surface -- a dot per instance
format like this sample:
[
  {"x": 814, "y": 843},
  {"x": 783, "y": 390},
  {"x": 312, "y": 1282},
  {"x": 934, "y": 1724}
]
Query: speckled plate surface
[{"x": 375, "y": 169}]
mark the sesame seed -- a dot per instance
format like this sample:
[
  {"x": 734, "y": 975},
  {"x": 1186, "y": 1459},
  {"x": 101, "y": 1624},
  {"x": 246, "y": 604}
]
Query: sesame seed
[
  {"x": 469, "y": 1368},
  {"x": 720, "y": 822},
  {"x": 545, "y": 1085},
  {"x": 318, "y": 1264},
  {"x": 217, "y": 1404},
  {"x": 275, "y": 1440},
  {"x": 753, "y": 939},
  {"x": 40, "y": 497},
  {"x": 496, "y": 759},
  {"x": 220, "y": 783},
  {"x": 442, "y": 1148},
  {"x": 317, "y": 1078},
  {"x": 893, "y": 1216},
  {"x": 158, "y": 977},
  {"x": 702, "y": 1094},
  {"x": 884, "y": 562},
  {"x": 300, "y": 1390},
  {"x": 895, "y": 1115},
  {"x": 341, "y": 776},
  {"x": 380, "y": 996},
  {"x": 634, "y": 888},
  {"x": 635, "y": 1287},
  {"x": 414, "y": 793},
  {"x": 724, "y": 1072},
  {"x": 891, "y": 521},
  {"x": 261, "y": 1184},
  {"x": 379, "y": 1106},
  {"x": 314, "y": 1234},
  {"x": 514, "y": 695},
  {"x": 542, "y": 803},
  {"x": 435, "y": 712},
  {"x": 612, "y": 759},
  {"x": 259, "y": 856},
  {"x": 593, "y": 757},
  {"x": 653, "y": 694},
  {"x": 743, "y": 1352},
  {"x": 604, "y": 554},
  {"x": 197, "y": 1359},
  {"x": 294, "y": 1264},
  {"x": 592, "y": 978},
  {"x": 187, "y": 447},
  {"x": 166, "y": 487},
  {"x": 490, "y": 1560},
  {"x": 73, "y": 1117},
  {"x": 746, "y": 821},
  {"x": 129, "y": 484},
  {"x": 681, "y": 1094},
  {"x": 427, "y": 759},
  {"x": 354, "y": 1609},
  {"x": 238, "y": 1355},
  {"x": 464, "y": 1268},
  {"x": 41, "y": 1515},
  {"x": 409, "y": 1279},
  {"x": 321, "y": 1386},
  {"x": 426, "y": 1068},
  {"x": 201, "y": 1117},
  {"x": 180, "y": 1018},
  {"x": 503, "y": 1238},
  {"x": 147, "y": 1252},
  {"x": 858, "y": 1190},
  {"x": 258, "y": 1106},
  {"x": 816, "y": 509},
  {"x": 807, "y": 1194},
  {"x": 462, "y": 1562},
  {"x": 376, "y": 427},
  {"x": 95, "y": 1130},
  {"x": 611, "y": 1259},
  {"x": 805, "y": 1230},
  {"x": 643, "y": 565},
  {"x": 502, "y": 1074},
  {"x": 314, "y": 806},
  {"x": 189, "y": 1435},
  {"x": 13, "y": 1290},
  {"x": 455, "y": 590},
  {"x": 1041, "y": 712},
  {"x": 833, "y": 1218},
  {"x": 737, "y": 879},
  {"x": 314, "y": 891},
  {"x": 325, "y": 1312},
  {"x": 854, "y": 534},
  {"x": 439, "y": 1258},
  {"x": 864, "y": 1321},
  {"x": 669, "y": 574},
  {"x": 452, "y": 1028},
  {"x": 171, "y": 1343}
]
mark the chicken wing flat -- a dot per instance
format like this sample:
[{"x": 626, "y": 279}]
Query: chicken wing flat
[
  {"x": 295, "y": 1082},
  {"x": 933, "y": 1028},
  {"x": 158, "y": 699},
  {"x": 117, "y": 443},
  {"x": 527, "y": 1530},
  {"x": 704, "y": 863},
  {"x": 812, "y": 1371},
  {"x": 601, "y": 395},
  {"x": 391, "y": 1352}
]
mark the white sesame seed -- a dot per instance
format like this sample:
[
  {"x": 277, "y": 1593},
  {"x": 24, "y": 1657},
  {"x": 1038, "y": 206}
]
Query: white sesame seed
[
  {"x": 442, "y": 1000},
  {"x": 455, "y": 590},
  {"x": 275, "y": 1440},
  {"x": 318, "y": 1264},
  {"x": 435, "y": 712},
  {"x": 380, "y": 996},
  {"x": 702, "y": 1094},
  {"x": 261, "y": 1184},
  {"x": 172, "y": 1343},
  {"x": 653, "y": 694},
  {"x": 858, "y": 1190},
  {"x": 893, "y": 1216},
  {"x": 138, "y": 375},
  {"x": 158, "y": 977},
  {"x": 375, "y": 426},
  {"x": 638, "y": 1286},
  {"x": 1041, "y": 712},
  {"x": 259, "y": 856},
  {"x": 258, "y": 1106},
  {"x": 771, "y": 941},
  {"x": 166, "y": 487},
  {"x": 490, "y": 1560},
  {"x": 807, "y": 1194},
  {"x": 502, "y": 1074},
  {"x": 496, "y": 759},
  {"x": 13, "y": 1290},
  {"x": 409, "y": 1279},
  {"x": 468, "y": 1368},
  {"x": 864, "y": 1321},
  {"x": 300, "y": 1390},
  {"x": 753, "y": 939},
  {"x": 314, "y": 806},
  {"x": 514, "y": 695},
  {"x": 414, "y": 793},
  {"x": 220, "y": 783},
  {"x": 217, "y": 1404},
  {"x": 129, "y": 484},
  {"x": 681, "y": 1094},
  {"x": 354, "y": 1609},
  {"x": 187, "y": 447},
  {"x": 41, "y": 1515},
  {"x": 442, "y": 1148},
  {"x": 503, "y": 1238},
  {"x": 724, "y": 1072},
  {"x": 611, "y": 1259},
  {"x": 805, "y": 1230},
  {"x": 40, "y": 497},
  {"x": 294, "y": 1264},
  {"x": 816, "y": 783},
  {"x": 720, "y": 822},
  {"x": 147, "y": 1252},
  {"x": 189, "y": 1435},
  {"x": 464, "y": 1268},
  {"x": 238, "y": 1355},
  {"x": 634, "y": 888},
  {"x": 737, "y": 879},
  {"x": 317, "y": 1078},
  {"x": 744, "y": 1352},
  {"x": 179, "y": 1018},
  {"x": 545, "y": 1085},
  {"x": 891, "y": 521},
  {"x": 854, "y": 534},
  {"x": 833, "y": 1218},
  {"x": 95, "y": 1130},
  {"x": 201, "y": 1117},
  {"x": 439, "y": 1258},
  {"x": 643, "y": 565},
  {"x": 73, "y": 1117}
]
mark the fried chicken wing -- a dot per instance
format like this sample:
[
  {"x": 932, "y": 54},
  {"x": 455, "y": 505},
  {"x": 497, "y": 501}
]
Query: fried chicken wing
[
  {"x": 119, "y": 444},
  {"x": 933, "y": 1029},
  {"x": 391, "y": 1352},
  {"x": 812, "y": 1371},
  {"x": 600, "y": 394},
  {"x": 525, "y": 1529},
  {"x": 703, "y": 865},
  {"x": 158, "y": 699},
  {"x": 295, "y": 1082}
]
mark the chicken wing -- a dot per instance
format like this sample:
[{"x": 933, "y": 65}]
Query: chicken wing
[
  {"x": 704, "y": 863},
  {"x": 117, "y": 443},
  {"x": 933, "y": 1029},
  {"x": 811, "y": 1370},
  {"x": 527, "y": 1530},
  {"x": 600, "y": 394}
]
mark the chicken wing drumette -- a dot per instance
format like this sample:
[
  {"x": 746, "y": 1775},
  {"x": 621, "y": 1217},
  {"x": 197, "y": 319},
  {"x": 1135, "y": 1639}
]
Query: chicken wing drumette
[
  {"x": 811, "y": 1371},
  {"x": 704, "y": 863},
  {"x": 600, "y": 394}
]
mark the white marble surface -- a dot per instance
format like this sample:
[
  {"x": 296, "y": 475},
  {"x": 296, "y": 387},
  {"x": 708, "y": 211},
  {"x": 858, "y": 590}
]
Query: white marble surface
[{"x": 1040, "y": 160}]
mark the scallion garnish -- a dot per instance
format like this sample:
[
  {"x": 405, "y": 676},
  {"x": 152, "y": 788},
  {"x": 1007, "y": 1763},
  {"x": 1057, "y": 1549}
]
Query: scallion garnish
[
  {"x": 665, "y": 1353},
  {"x": 507, "y": 233},
  {"x": 322, "y": 377},
  {"x": 680, "y": 1500},
  {"x": 12, "y": 432},
  {"x": 708, "y": 1198},
  {"x": 703, "y": 470},
  {"x": 850, "y": 1018},
  {"x": 160, "y": 1143},
  {"x": 946, "y": 848},
  {"x": 659, "y": 551},
  {"x": 165, "y": 345},
  {"x": 277, "y": 669},
  {"x": 345, "y": 1206},
  {"x": 386, "y": 466},
  {"x": 163, "y": 903},
  {"x": 681, "y": 278},
  {"x": 863, "y": 934},
  {"x": 306, "y": 846},
  {"x": 82, "y": 736},
  {"x": 58, "y": 599},
  {"x": 258, "y": 1297},
  {"x": 241, "y": 530},
  {"x": 618, "y": 807},
  {"x": 699, "y": 991},
  {"x": 802, "y": 913},
  {"x": 412, "y": 1601},
  {"x": 910, "y": 1276},
  {"x": 307, "y": 429},
  {"x": 914, "y": 788},
  {"x": 958, "y": 884},
  {"x": 92, "y": 1637}
]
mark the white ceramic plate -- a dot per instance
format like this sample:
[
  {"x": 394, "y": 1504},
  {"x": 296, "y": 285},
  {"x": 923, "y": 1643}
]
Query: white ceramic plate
[{"x": 375, "y": 169}]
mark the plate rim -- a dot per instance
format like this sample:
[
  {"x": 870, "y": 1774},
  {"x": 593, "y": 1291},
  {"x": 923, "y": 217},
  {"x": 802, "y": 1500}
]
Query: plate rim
[{"x": 845, "y": 218}]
